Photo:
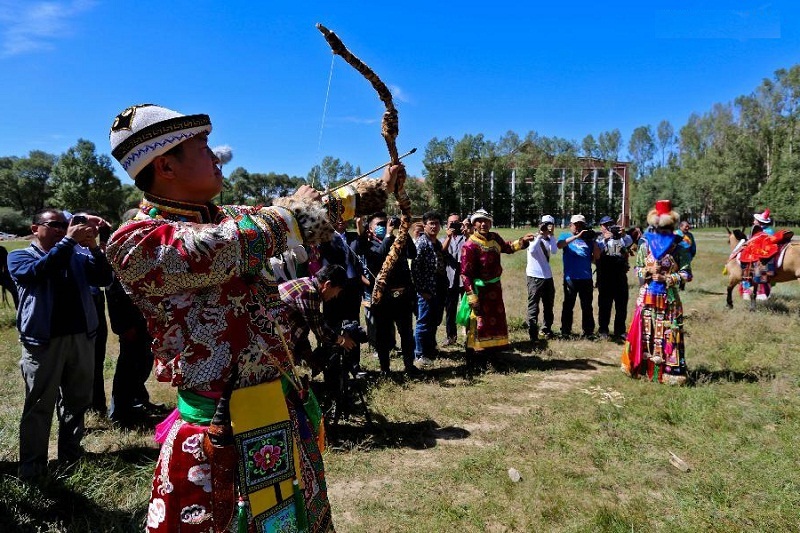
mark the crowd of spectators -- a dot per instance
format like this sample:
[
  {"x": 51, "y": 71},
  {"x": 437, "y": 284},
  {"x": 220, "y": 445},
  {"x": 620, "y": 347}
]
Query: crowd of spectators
[{"x": 63, "y": 286}]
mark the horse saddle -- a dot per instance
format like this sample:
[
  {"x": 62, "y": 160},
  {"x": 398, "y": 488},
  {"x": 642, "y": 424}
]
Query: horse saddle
[{"x": 763, "y": 247}]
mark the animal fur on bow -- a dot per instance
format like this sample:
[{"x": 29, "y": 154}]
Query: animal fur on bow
[{"x": 389, "y": 130}]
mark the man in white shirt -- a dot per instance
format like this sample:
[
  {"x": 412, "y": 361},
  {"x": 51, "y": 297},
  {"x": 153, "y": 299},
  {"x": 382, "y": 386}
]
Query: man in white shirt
[{"x": 540, "y": 279}]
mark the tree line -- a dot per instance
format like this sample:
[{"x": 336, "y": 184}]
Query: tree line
[{"x": 721, "y": 166}]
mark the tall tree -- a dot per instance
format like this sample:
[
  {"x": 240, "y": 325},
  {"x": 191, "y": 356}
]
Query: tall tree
[
  {"x": 589, "y": 146},
  {"x": 666, "y": 138},
  {"x": 609, "y": 143},
  {"x": 641, "y": 148},
  {"x": 83, "y": 179},
  {"x": 256, "y": 188},
  {"x": 332, "y": 172},
  {"x": 25, "y": 181}
]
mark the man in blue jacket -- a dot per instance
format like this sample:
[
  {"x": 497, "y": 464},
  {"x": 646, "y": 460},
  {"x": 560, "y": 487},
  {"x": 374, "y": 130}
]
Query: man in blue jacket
[{"x": 57, "y": 324}]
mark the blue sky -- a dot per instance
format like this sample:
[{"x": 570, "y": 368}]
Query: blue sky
[{"x": 261, "y": 69}]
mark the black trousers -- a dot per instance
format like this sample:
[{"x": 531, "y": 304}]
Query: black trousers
[
  {"x": 574, "y": 289},
  {"x": 612, "y": 289},
  {"x": 540, "y": 290},
  {"x": 134, "y": 365},
  {"x": 393, "y": 312},
  {"x": 98, "y": 381},
  {"x": 450, "y": 310},
  {"x": 346, "y": 306}
]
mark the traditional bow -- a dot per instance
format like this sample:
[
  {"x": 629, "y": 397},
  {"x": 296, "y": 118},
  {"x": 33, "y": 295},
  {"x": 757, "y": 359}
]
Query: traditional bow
[{"x": 389, "y": 131}]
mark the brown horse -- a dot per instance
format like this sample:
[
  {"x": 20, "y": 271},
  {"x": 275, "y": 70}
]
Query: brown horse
[{"x": 788, "y": 271}]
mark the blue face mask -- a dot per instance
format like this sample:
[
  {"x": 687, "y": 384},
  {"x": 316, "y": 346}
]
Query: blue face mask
[{"x": 380, "y": 232}]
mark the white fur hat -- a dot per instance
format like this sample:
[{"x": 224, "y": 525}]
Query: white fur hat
[
  {"x": 143, "y": 132},
  {"x": 480, "y": 213}
]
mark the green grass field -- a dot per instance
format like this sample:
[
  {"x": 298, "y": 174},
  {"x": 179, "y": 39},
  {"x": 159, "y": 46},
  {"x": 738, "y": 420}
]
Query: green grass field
[{"x": 592, "y": 446}]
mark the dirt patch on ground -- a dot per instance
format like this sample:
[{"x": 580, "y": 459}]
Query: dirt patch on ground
[
  {"x": 358, "y": 489},
  {"x": 502, "y": 415}
]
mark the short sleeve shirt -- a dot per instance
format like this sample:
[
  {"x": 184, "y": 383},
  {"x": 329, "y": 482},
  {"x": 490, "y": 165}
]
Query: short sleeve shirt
[{"x": 577, "y": 258}]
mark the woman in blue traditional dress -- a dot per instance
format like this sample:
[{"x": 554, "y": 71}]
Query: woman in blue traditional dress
[{"x": 654, "y": 349}]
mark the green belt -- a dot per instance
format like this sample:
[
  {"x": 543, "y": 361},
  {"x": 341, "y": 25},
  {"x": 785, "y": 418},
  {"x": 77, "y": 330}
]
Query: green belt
[
  {"x": 480, "y": 283},
  {"x": 196, "y": 409}
]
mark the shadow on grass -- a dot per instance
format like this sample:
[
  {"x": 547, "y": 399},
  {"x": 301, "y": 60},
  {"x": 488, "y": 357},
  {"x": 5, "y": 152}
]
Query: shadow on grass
[
  {"x": 701, "y": 290},
  {"x": 703, "y": 376},
  {"x": 777, "y": 305},
  {"x": 515, "y": 362},
  {"x": 385, "y": 434},
  {"x": 525, "y": 357},
  {"x": 59, "y": 502}
]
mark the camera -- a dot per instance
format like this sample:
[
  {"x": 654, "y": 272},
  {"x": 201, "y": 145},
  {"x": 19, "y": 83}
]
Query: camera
[
  {"x": 395, "y": 221},
  {"x": 589, "y": 235},
  {"x": 546, "y": 227},
  {"x": 354, "y": 331},
  {"x": 104, "y": 232},
  {"x": 616, "y": 231},
  {"x": 78, "y": 219},
  {"x": 455, "y": 226}
]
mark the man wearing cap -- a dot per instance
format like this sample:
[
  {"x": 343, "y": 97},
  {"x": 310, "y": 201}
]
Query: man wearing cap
[
  {"x": 579, "y": 250},
  {"x": 480, "y": 274},
  {"x": 612, "y": 277},
  {"x": 540, "y": 279},
  {"x": 201, "y": 275}
]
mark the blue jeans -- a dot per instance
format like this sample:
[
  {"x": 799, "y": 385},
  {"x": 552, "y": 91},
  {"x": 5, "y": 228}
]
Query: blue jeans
[{"x": 429, "y": 316}]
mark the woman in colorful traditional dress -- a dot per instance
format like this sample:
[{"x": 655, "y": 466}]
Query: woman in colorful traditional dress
[
  {"x": 654, "y": 349},
  {"x": 480, "y": 274}
]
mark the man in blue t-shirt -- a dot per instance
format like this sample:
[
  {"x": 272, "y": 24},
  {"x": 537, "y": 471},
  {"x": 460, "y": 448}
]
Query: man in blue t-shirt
[{"x": 579, "y": 250}]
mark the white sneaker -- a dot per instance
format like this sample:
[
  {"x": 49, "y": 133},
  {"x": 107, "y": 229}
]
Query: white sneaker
[{"x": 424, "y": 362}]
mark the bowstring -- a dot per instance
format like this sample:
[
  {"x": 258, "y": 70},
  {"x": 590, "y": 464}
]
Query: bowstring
[{"x": 324, "y": 114}]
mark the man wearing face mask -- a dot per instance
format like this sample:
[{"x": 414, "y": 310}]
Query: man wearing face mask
[{"x": 396, "y": 308}]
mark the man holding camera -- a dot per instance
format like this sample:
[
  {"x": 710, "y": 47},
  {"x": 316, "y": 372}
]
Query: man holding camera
[
  {"x": 57, "y": 324},
  {"x": 452, "y": 244},
  {"x": 579, "y": 250},
  {"x": 540, "y": 279},
  {"x": 612, "y": 277},
  {"x": 304, "y": 298}
]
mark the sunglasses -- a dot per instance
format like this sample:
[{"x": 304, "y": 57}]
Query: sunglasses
[{"x": 54, "y": 224}]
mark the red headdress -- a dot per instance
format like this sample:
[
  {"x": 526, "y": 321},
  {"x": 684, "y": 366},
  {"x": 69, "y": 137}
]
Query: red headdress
[{"x": 663, "y": 215}]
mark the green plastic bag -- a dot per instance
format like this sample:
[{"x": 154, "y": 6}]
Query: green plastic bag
[{"x": 462, "y": 316}]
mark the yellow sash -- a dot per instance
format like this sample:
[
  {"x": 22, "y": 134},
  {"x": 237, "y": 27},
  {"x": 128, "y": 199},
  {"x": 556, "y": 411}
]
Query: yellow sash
[{"x": 268, "y": 456}]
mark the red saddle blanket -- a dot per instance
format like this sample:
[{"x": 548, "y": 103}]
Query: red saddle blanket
[{"x": 763, "y": 246}]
